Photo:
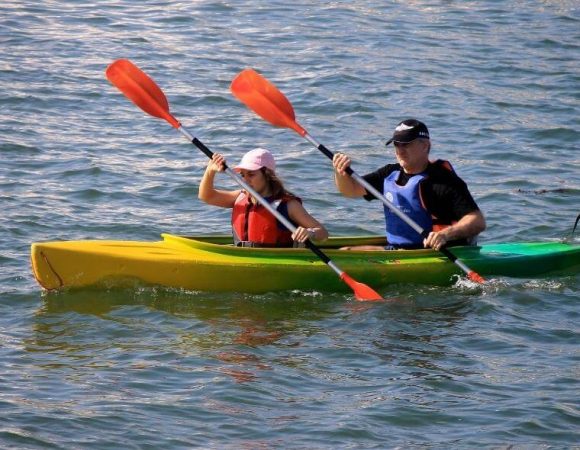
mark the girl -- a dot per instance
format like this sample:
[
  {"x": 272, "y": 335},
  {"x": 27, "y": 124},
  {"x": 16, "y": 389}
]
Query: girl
[{"x": 252, "y": 224}]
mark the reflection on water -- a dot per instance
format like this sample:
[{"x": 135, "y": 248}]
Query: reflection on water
[
  {"x": 231, "y": 332},
  {"x": 83, "y": 326},
  {"x": 230, "y": 360}
]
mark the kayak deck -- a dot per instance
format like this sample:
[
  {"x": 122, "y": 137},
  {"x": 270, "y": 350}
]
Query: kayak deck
[{"x": 207, "y": 263}]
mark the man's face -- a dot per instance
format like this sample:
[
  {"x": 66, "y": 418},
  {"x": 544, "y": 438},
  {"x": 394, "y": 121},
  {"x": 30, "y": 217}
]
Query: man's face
[{"x": 413, "y": 156}]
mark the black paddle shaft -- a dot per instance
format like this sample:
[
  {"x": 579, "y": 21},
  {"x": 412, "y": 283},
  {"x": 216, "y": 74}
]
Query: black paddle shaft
[
  {"x": 330, "y": 156},
  {"x": 195, "y": 141}
]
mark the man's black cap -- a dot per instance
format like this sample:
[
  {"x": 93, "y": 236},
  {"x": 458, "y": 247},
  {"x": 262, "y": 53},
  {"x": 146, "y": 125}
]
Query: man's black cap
[{"x": 409, "y": 130}]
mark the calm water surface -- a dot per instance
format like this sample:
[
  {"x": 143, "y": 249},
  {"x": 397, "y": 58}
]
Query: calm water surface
[{"x": 459, "y": 367}]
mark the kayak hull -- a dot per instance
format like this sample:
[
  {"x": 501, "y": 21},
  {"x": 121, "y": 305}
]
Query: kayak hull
[{"x": 207, "y": 264}]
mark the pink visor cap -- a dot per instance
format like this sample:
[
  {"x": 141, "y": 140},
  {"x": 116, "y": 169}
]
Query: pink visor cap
[{"x": 256, "y": 159}]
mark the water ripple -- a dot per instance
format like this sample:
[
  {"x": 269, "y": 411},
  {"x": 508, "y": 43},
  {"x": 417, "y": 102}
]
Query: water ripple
[{"x": 496, "y": 84}]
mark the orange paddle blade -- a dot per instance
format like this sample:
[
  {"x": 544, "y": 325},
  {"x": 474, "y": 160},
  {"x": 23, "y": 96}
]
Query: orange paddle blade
[
  {"x": 474, "y": 276},
  {"x": 140, "y": 89},
  {"x": 362, "y": 292},
  {"x": 262, "y": 97}
]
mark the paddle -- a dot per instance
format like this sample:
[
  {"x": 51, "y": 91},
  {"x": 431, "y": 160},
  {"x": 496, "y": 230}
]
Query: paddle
[
  {"x": 145, "y": 93},
  {"x": 262, "y": 97}
]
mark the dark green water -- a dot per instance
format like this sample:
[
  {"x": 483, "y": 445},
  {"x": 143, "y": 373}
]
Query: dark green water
[{"x": 458, "y": 367}]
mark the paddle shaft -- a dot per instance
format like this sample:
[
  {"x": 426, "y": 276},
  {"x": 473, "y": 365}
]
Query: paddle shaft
[
  {"x": 360, "y": 180},
  {"x": 238, "y": 179},
  {"x": 268, "y": 102},
  {"x": 144, "y": 92}
]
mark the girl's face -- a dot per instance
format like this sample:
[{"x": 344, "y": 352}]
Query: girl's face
[{"x": 256, "y": 180}]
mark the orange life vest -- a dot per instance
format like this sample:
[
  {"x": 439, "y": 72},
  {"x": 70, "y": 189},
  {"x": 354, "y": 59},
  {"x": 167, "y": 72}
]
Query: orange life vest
[{"x": 254, "y": 226}]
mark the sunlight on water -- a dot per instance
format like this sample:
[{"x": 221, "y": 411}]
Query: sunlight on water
[{"x": 464, "y": 365}]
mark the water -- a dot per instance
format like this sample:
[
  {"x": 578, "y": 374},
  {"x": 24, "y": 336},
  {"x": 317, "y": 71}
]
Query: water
[{"x": 458, "y": 367}]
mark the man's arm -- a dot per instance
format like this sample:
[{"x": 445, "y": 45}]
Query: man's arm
[
  {"x": 468, "y": 226},
  {"x": 345, "y": 183}
]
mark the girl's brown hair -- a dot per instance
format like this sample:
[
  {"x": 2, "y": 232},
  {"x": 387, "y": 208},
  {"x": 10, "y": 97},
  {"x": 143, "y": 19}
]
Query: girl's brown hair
[{"x": 275, "y": 184}]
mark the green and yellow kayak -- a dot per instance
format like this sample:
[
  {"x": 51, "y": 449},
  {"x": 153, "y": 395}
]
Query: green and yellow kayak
[{"x": 207, "y": 263}]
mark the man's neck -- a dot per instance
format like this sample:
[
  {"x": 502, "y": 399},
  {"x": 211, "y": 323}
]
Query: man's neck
[{"x": 416, "y": 170}]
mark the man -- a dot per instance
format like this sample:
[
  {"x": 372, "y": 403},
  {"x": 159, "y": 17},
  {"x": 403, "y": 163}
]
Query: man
[{"x": 428, "y": 192}]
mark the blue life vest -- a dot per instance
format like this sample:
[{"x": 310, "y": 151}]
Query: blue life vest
[{"x": 408, "y": 199}]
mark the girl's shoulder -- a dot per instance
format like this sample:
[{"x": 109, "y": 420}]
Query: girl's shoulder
[{"x": 289, "y": 197}]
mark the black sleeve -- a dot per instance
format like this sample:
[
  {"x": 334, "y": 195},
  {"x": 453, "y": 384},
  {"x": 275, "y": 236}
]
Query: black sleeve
[
  {"x": 377, "y": 179},
  {"x": 448, "y": 197}
]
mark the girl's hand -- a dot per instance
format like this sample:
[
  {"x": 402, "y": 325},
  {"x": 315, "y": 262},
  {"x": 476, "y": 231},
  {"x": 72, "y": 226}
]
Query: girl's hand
[
  {"x": 217, "y": 163},
  {"x": 303, "y": 234}
]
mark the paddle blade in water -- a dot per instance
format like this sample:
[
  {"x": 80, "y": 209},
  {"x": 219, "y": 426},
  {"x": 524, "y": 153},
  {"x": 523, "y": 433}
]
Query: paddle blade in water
[
  {"x": 262, "y": 97},
  {"x": 474, "y": 276},
  {"x": 362, "y": 292},
  {"x": 140, "y": 89}
]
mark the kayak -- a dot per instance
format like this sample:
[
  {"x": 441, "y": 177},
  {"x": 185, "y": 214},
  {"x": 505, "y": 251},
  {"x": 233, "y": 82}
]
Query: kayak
[{"x": 211, "y": 263}]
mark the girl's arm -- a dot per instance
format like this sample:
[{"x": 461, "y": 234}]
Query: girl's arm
[
  {"x": 208, "y": 193},
  {"x": 307, "y": 226}
]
